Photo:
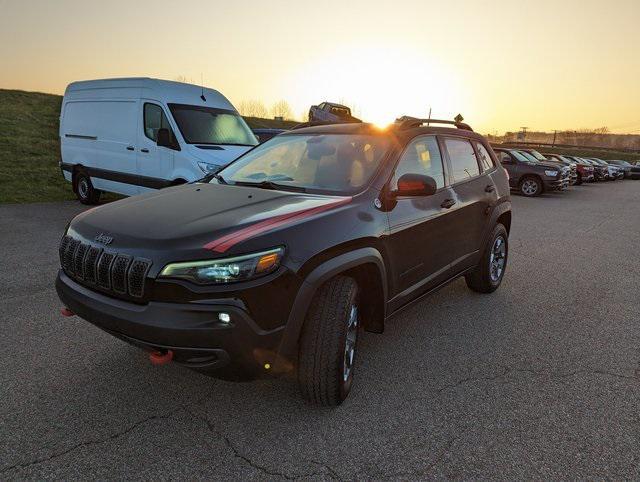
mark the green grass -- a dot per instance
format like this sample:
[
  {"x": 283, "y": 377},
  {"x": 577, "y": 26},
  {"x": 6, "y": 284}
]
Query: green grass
[{"x": 30, "y": 147}]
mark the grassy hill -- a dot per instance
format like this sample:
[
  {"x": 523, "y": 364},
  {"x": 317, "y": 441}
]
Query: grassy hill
[{"x": 30, "y": 147}]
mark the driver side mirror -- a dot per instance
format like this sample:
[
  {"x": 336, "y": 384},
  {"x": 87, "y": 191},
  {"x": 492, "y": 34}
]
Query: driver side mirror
[
  {"x": 164, "y": 138},
  {"x": 416, "y": 185}
]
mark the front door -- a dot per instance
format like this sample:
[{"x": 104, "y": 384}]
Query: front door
[
  {"x": 419, "y": 242},
  {"x": 155, "y": 163}
]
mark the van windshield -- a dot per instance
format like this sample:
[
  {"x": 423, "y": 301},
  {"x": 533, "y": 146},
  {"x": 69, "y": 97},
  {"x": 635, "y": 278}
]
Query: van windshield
[
  {"x": 208, "y": 125},
  {"x": 322, "y": 163}
]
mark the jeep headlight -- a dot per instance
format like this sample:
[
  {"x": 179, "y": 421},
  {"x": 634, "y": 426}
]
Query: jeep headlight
[
  {"x": 226, "y": 270},
  {"x": 551, "y": 173}
]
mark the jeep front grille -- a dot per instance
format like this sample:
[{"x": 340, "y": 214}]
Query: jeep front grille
[{"x": 113, "y": 272}]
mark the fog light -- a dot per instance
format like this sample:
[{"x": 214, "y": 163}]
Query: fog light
[{"x": 224, "y": 317}]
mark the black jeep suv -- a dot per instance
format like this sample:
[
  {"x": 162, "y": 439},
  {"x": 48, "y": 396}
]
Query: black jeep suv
[{"x": 273, "y": 264}]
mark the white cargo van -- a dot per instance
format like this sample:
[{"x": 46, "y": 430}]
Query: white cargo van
[{"x": 131, "y": 135}]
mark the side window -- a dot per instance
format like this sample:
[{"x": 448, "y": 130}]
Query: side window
[
  {"x": 154, "y": 119},
  {"x": 422, "y": 156},
  {"x": 504, "y": 157},
  {"x": 464, "y": 164},
  {"x": 485, "y": 159}
]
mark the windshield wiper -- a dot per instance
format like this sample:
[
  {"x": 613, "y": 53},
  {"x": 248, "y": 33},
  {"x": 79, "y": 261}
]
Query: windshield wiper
[{"x": 270, "y": 185}]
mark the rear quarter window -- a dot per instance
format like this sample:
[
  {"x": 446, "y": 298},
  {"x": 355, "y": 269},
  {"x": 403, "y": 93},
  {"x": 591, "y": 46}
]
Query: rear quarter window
[{"x": 484, "y": 157}]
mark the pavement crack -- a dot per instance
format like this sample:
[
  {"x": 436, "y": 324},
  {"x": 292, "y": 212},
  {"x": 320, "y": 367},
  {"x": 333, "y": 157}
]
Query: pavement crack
[
  {"x": 239, "y": 455},
  {"x": 89, "y": 443}
]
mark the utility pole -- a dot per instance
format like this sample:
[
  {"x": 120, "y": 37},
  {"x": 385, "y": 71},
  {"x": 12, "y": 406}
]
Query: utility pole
[
  {"x": 523, "y": 133},
  {"x": 554, "y": 137}
]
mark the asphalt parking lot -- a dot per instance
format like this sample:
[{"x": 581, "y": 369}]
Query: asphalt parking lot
[{"x": 538, "y": 380}]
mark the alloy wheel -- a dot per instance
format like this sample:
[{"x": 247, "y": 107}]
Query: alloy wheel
[
  {"x": 529, "y": 187},
  {"x": 350, "y": 342},
  {"x": 497, "y": 259}
]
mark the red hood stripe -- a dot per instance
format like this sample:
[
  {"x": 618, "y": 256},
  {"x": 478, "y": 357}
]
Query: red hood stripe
[{"x": 224, "y": 243}]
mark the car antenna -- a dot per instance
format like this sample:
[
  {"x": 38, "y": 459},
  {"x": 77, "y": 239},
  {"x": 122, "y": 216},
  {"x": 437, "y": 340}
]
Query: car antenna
[
  {"x": 429, "y": 115},
  {"x": 204, "y": 99}
]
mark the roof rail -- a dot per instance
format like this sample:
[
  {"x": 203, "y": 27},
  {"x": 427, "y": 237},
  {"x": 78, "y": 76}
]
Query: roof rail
[
  {"x": 408, "y": 122},
  {"x": 324, "y": 123}
]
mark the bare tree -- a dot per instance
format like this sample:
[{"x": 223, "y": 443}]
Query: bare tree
[
  {"x": 281, "y": 109},
  {"x": 252, "y": 108}
]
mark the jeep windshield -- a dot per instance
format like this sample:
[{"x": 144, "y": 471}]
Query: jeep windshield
[
  {"x": 323, "y": 163},
  {"x": 208, "y": 125}
]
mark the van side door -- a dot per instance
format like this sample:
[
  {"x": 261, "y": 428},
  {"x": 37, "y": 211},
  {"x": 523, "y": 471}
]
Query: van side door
[
  {"x": 155, "y": 163},
  {"x": 100, "y": 135}
]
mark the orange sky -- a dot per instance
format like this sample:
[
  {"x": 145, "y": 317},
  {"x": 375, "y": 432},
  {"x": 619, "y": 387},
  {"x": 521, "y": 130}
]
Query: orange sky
[{"x": 502, "y": 64}]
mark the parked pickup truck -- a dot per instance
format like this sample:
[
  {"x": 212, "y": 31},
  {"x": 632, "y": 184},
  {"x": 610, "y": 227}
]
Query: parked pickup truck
[
  {"x": 328, "y": 112},
  {"x": 530, "y": 177}
]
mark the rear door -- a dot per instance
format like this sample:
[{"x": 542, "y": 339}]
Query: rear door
[
  {"x": 419, "y": 243},
  {"x": 473, "y": 193},
  {"x": 155, "y": 163}
]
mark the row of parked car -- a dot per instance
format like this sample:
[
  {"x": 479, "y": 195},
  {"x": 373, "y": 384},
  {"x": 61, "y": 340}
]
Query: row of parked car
[{"x": 532, "y": 173}]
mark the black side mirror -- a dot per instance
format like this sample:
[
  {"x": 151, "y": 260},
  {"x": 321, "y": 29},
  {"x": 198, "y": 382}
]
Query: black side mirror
[
  {"x": 416, "y": 185},
  {"x": 164, "y": 138}
]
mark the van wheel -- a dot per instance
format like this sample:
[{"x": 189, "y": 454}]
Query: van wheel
[
  {"x": 328, "y": 343},
  {"x": 487, "y": 276},
  {"x": 85, "y": 191},
  {"x": 530, "y": 187}
]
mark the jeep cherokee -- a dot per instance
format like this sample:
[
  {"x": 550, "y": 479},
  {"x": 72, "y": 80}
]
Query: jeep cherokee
[{"x": 275, "y": 263}]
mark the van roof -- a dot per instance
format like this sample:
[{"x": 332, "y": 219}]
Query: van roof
[{"x": 158, "y": 89}]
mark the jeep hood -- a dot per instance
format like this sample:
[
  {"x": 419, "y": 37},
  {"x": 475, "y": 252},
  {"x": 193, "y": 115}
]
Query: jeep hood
[{"x": 196, "y": 216}]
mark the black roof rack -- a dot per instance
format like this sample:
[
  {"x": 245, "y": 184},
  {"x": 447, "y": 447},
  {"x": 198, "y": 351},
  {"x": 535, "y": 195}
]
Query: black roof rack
[
  {"x": 324, "y": 123},
  {"x": 408, "y": 122}
]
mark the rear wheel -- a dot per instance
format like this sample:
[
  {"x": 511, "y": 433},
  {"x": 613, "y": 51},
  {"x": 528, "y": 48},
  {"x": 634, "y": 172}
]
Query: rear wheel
[
  {"x": 487, "y": 276},
  {"x": 579, "y": 179},
  {"x": 85, "y": 191},
  {"x": 328, "y": 343},
  {"x": 530, "y": 187}
]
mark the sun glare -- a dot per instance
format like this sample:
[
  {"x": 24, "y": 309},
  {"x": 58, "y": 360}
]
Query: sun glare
[{"x": 380, "y": 84}]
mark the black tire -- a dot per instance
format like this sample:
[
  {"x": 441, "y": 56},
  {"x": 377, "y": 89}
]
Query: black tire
[
  {"x": 526, "y": 188},
  {"x": 481, "y": 279},
  {"x": 579, "y": 180},
  {"x": 85, "y": 191},
  {"x": 324, "y": 376}
]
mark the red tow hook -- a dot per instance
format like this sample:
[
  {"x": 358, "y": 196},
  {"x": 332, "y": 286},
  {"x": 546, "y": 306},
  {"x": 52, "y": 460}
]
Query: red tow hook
[
  {"x": 64, "y": 311},
  {"x": 158, "y": 358}
]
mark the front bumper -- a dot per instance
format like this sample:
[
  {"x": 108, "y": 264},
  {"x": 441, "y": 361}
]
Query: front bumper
[
  {"x": 191, "y": 330},
  {"x": 555, "y": 184}
]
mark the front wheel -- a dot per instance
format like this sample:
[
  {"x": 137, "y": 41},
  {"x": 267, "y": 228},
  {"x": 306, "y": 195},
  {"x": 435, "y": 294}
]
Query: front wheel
[
  {"x": 487, "y": 276},
  {"x": 85, "y": 191},
  {"x": 328, "y": 343},
  {"x": 530, "y": 187}
]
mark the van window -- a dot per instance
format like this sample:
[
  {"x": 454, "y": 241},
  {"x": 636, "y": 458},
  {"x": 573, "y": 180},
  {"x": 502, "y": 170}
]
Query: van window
[
  {"x": 422, "y": 156},
  {"x": 463, "y": 159},
  {"x": 154, "y": 119},
  {"x": 208, "y": 125},
  {"x": 105, "y": 120},
  {"x": 485, "y": 159}
]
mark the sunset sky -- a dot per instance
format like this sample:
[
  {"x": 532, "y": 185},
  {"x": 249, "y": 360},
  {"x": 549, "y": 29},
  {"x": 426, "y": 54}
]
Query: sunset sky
[{"x": 502, "y": 64}]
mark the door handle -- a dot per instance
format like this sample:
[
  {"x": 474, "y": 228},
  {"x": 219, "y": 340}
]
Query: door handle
[
  {"x": 144, "y": 149},
  {"x": 447, "y": 203},
  {"x": 130, "y": 148},
  {"x": 490, "y": 188}
]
